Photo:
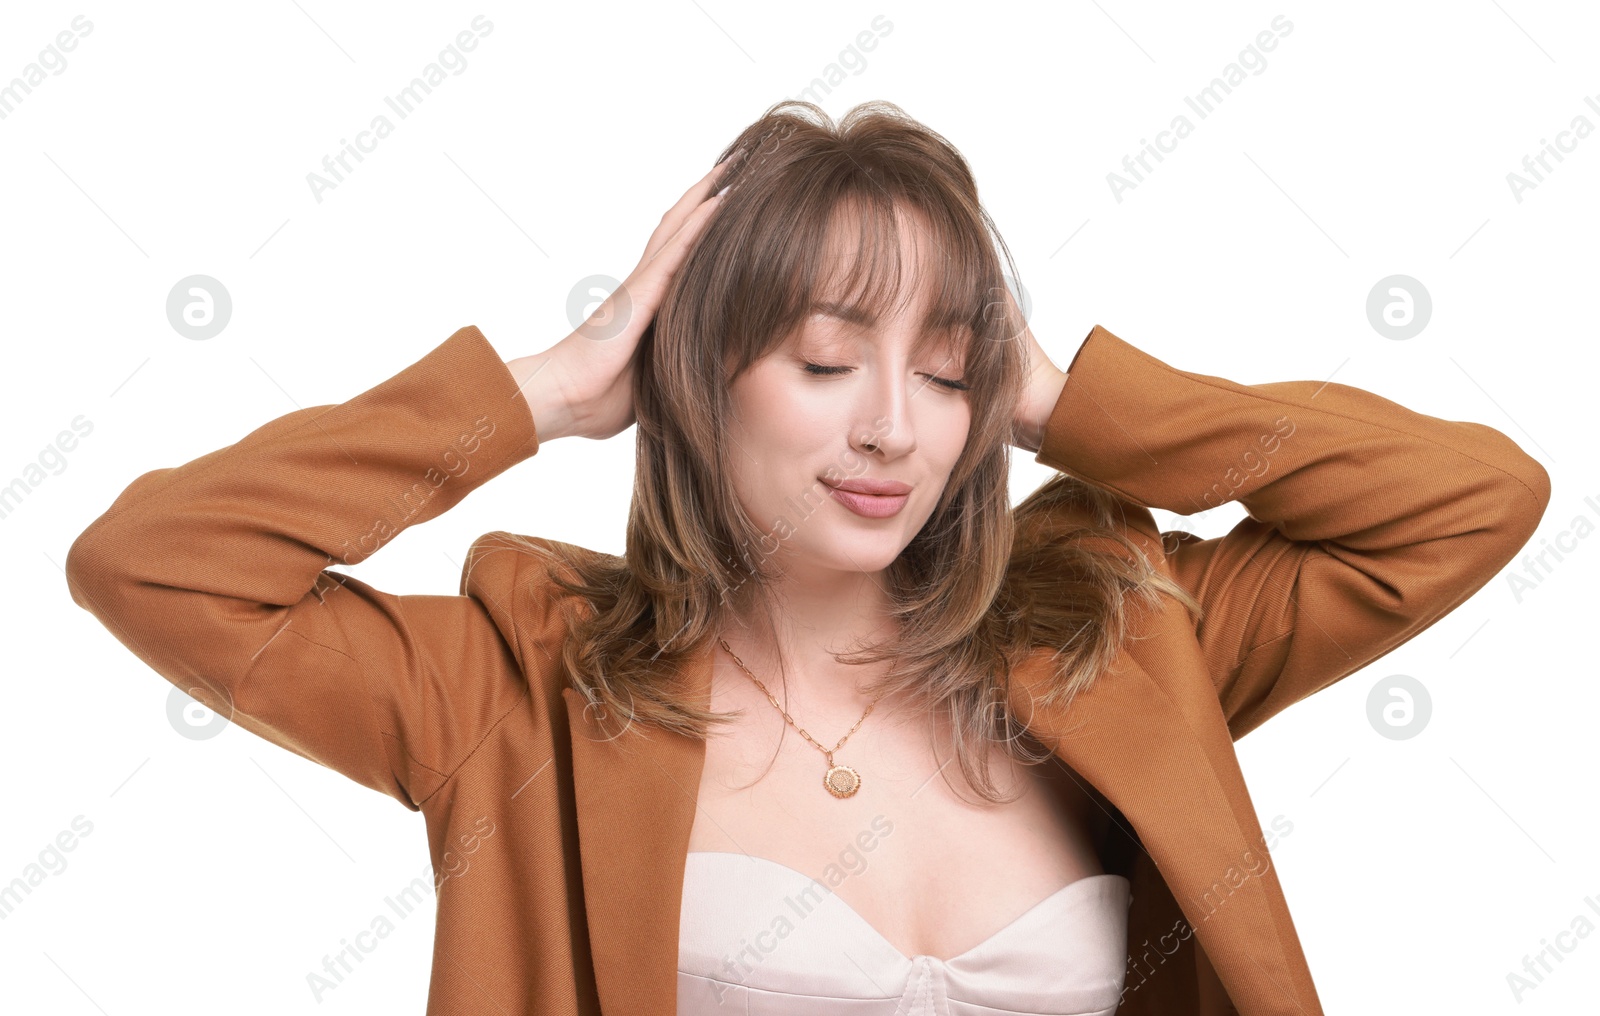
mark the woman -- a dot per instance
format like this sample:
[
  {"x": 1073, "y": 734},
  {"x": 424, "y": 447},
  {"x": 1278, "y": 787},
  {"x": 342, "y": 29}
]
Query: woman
[{"x": 702, "y": 775}]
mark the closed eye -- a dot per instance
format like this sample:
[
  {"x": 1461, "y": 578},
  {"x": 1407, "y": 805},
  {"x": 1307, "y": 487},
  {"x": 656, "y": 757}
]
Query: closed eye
[{"x": 819, "y": 370}]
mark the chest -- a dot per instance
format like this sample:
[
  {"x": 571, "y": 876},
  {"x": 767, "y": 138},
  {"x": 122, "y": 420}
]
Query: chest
[{"x": 932, "y": 866}]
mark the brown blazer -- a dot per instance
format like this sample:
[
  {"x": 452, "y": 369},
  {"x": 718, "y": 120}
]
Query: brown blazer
[{"x": 559, "y": 858}]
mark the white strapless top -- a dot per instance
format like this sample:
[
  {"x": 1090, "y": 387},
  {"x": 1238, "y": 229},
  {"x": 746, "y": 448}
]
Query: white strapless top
[{"x": 758, "y": 938}]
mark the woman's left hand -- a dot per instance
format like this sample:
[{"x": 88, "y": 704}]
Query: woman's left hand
[{"x": 1043, "y": 387}]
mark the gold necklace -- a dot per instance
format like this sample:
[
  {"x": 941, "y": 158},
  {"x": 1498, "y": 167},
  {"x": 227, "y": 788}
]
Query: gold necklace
[{"x": 840, "y": 780}]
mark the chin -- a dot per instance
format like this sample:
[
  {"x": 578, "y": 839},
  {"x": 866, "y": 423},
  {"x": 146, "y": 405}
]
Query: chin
[{"x": 848, "y": 552}]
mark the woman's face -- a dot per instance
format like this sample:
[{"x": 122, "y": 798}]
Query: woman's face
[{"x": 845, "y": 400}]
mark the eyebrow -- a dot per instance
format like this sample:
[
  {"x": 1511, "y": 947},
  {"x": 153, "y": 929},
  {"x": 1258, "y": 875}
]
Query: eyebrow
[
  {"x": 861, "y": 315},
  {"x": 855, "y": 314}
]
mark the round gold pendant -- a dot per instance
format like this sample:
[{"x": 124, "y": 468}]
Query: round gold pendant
[{"x": 841, "y": 781}]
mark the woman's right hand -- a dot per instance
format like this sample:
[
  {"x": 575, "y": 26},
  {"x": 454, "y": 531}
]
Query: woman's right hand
[{"x": 583, "y": 385}]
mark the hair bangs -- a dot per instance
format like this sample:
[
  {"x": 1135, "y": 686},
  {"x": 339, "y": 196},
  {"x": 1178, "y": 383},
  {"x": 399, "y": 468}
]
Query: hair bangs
[{"x": 862, "y": 249}]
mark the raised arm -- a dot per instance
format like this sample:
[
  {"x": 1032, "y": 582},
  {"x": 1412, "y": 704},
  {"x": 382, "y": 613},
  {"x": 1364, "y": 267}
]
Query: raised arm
[
  {"x": 216, "y": 574},
  {"x": 1367, "y": 521}
]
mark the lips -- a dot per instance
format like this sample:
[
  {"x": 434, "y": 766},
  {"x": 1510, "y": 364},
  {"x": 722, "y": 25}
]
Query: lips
[
  {"x": 877, "y": 488},
  {"x": 873, "y": 499}
]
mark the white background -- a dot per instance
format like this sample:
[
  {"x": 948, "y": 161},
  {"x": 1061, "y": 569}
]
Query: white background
[{"x": 1376, "y": 141}]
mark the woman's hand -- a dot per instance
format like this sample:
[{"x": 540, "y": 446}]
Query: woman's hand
[
  {"x": 1043, "y": 387},
  {"x": 583, "y": 385}
]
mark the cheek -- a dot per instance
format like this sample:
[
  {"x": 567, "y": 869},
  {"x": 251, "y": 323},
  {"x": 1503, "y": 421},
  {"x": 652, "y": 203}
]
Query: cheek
[
  {"x": 775, "y": 436},
  {"x": 946, "y": 435},
  {"x": 779, "y": 416}
]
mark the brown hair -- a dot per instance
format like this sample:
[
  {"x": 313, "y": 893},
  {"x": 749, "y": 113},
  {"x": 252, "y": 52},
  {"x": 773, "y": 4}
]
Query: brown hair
[{"x": 979, "y": 587}]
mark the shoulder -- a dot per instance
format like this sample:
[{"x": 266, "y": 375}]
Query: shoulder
[{"x": 509, "y": 575}]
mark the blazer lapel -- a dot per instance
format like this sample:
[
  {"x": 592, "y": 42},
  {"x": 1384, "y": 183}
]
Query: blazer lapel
[
  {"x": 636, "y": 798},
  {"x": 1160, "y": 751}
]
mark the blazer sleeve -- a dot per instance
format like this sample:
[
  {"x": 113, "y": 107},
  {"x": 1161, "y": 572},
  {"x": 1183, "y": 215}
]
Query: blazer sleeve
[
  {"x": 1367, "y": 521},
  {"x": 215, "y": 573}
]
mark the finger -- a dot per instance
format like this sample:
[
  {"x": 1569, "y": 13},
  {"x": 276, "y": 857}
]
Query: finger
[
  {"x": 695, "y": 197},
  {"x": 672, "y": 252},
  {"x": 639, "y": 297},
  {"x": 649, "y": 283},
  {"x": 692, "y": 199}
]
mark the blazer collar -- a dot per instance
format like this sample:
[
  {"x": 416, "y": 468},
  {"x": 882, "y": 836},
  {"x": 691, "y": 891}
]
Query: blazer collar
[{"x": 1154, "y": 742}]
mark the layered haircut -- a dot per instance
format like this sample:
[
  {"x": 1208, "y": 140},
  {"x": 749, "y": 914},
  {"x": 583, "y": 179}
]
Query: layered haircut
[{"x": 981, "y": 586}]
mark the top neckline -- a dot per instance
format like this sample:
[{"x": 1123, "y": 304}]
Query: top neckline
[{"x": 856, "y": 916}]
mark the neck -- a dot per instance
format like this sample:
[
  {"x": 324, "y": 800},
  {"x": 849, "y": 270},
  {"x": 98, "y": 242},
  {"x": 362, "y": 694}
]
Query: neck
[{"x": 789, "y": 644}]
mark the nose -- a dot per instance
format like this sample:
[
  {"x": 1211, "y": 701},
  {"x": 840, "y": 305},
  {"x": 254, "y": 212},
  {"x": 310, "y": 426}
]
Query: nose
[{"x": 883, "y": 423}]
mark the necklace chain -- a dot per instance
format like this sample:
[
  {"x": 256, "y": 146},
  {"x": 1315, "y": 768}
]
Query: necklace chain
[{"x": 841, "y": 781}]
